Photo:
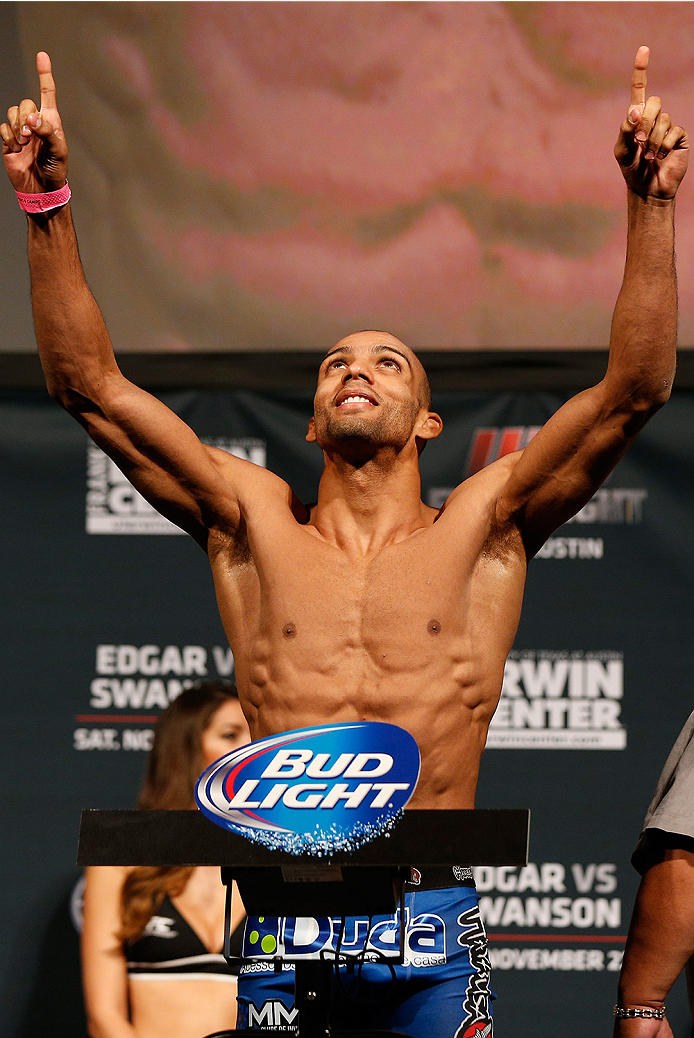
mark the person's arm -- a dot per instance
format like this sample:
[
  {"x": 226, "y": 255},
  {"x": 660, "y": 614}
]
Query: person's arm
[
  {"x": 659, "y": 944},
  {"x": 191, "y": 484},
  {"x": 104, "y": 969},
  {"x": 562, "y": 467}
]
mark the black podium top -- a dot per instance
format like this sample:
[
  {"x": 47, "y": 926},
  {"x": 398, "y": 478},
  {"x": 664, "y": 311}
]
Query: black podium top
[{"x": 422, "y": 838}]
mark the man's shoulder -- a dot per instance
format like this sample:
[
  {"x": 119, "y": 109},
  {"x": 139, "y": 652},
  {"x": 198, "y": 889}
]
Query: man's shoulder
[
  {"x": 473, "y": 506},
  {"x": 246, "y": 474},
  {"x": 483, "y": 488},
  {"x": 260, "y": 492}
]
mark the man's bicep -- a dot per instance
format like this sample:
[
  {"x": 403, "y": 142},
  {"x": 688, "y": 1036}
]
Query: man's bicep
[
  {"x": 566, "y": 462},
  {"x": 162, "y": 457}
]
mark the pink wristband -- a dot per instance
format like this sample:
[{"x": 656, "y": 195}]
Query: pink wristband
[{"x": 44, "y": 201}]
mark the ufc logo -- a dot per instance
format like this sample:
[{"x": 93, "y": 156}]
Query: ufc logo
[{"x": 489, "y": 445}]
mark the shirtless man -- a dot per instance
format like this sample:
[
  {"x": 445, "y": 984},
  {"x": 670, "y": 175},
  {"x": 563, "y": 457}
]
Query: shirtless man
[{"x": 372, "y": 606}]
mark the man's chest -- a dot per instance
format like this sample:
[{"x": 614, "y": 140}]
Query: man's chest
[{"x": 422, "y": 588}]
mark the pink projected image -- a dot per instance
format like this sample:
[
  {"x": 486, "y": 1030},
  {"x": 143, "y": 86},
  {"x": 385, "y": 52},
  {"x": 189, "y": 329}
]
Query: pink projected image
[{"x": 274, "y": 175}]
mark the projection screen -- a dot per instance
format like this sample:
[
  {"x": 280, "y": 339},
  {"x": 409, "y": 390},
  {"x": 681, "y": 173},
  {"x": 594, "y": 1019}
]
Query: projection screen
[{"x": 271, "y": 176}]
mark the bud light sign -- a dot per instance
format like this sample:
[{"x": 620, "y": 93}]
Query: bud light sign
[{"x": 314, "y": 790}]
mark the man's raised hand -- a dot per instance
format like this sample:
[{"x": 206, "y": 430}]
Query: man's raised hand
[
  {"x": 33, "y": 143},
  {"x": 651, "y": 151}
]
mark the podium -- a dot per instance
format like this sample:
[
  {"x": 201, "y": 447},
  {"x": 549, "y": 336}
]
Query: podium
[{"x": 368, "y": 880}]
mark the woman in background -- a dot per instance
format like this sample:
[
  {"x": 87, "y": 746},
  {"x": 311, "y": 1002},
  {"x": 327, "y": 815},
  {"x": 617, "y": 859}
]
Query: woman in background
[{"x": 152, "y": 938}]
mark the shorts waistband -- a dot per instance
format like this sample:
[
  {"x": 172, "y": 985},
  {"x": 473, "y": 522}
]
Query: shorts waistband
[{"x": 438, "y": 877}]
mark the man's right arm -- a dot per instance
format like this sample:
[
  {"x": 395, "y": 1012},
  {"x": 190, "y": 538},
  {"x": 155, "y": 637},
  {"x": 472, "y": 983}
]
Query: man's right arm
[
  {"x": 186, "y": 481},
  {"x": 157, "y": 451}
]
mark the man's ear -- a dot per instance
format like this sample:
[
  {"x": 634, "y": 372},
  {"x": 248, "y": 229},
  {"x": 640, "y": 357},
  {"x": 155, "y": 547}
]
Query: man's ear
[
  {"x": 311, "y": 431},
  {"x": 431, "y": 427}
]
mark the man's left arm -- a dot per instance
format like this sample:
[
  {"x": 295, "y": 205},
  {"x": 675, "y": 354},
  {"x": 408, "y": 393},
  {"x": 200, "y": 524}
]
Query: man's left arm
[{"x": 562, "y": 467}]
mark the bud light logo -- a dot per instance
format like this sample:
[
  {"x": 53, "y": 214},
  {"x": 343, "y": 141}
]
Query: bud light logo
[{"x": 314, "y": 790}]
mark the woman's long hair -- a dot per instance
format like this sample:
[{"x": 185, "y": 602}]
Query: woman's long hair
[{"x": 173, "y": 766}]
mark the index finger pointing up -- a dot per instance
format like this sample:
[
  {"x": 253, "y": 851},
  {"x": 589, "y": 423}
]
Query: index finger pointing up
[
  {"x": 46, "y": 81},
  {"x": 639, "y": 78}
]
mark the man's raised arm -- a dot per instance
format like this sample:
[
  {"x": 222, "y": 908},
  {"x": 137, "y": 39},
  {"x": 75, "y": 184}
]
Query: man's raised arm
[
  {"x": 562, "y": 467},
  {"x": 159, "y": 453}
]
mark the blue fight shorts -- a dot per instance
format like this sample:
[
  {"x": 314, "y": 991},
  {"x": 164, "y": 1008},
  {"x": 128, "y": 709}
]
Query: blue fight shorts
[{"x": 441, "y": 989}]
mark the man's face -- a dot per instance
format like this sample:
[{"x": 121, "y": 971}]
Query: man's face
[{"x": 369, "y": 395}]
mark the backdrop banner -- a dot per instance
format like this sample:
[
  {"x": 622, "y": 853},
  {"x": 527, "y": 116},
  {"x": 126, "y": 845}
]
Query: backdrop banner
[{"x": 108, "y": 613}]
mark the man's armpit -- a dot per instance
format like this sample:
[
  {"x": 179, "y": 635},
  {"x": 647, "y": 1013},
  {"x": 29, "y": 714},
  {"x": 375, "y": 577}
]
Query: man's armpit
[{"x": 504, "y": 543}]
